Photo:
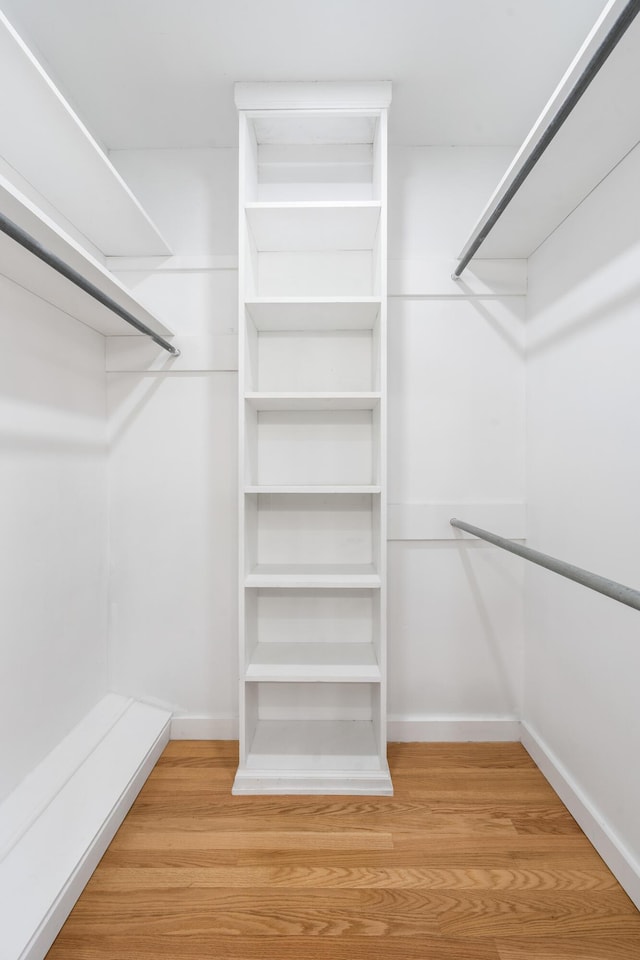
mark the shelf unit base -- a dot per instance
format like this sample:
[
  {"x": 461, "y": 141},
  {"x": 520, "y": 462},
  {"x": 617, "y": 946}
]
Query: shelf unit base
[
  {"x": 314, "y": 756},
  {"x": 312, "y": 782}
]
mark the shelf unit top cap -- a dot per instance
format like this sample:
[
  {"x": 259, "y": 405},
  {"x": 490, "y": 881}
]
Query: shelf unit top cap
[{"x": 315, "y": 95}]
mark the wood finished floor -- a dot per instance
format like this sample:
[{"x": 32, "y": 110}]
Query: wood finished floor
[{"x": 474, "y": 858}]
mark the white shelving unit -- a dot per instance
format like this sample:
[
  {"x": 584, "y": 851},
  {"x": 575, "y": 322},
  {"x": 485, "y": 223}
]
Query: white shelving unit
[{"x": 312, "y": 438}]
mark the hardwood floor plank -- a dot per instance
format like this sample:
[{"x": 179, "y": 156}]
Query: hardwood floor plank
[
  {"x": 175, "y": 838},
  {"x": 157, "y": 878},
  {"x": 196, "y": 947},
  {"x": 610, "y": 947},
  {"x": 458, "y": 756},
  {"x": 547, "y": 913}
]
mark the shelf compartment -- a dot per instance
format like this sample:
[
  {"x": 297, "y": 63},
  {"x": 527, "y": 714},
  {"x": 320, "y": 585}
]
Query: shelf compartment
[
  {"x": 313, "y": 227},
  {"x": 317, "y": 156},
  {"x": 313, "y": 726},
  {"x": 318, "y": 347},
  {"x": 312, "y": 634},
  {"x": 313, "y": 744},
  {"x": 297, "y": 532},
  {"x": 324, "y": 314},
  {"x": 316, "y": 273},
  {"x": 318, "y": 447},
  {"x": 313, "y": 127},
  {"x": 315, "y": 171}
]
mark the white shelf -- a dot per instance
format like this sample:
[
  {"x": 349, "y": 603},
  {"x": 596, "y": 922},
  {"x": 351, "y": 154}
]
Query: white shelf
[
  {"x": 313, "y": 401},
  {"x": 24, "y": 268},
  {"x": 343, "y": 576},
  {"x": 313, "y": 313},
  {"x": 311, "y": 488},
  {"x": 319, "y": 226},
  {"x": 314, "y": 662},
  {"x": 602, "y": 128},
  {"x": 318, "y": 745},
  {"x": 45, "y": 141}
]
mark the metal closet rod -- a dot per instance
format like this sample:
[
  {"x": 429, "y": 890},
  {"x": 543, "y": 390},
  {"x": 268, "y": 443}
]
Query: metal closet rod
[
  {"x": 610, "y": 588},
  {"x": 607, "y": 46},
  {"x": 31, "y": 244}
]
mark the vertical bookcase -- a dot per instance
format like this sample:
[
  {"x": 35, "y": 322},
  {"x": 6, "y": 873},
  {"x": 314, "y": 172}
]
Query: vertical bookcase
[{"x": 312, "y": 375}]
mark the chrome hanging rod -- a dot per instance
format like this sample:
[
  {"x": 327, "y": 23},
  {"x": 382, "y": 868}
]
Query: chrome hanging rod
[
  {"x": 31, "y": 244},
  {"x": 607, "y": 46},
  {"x": 610, "y": 588}
]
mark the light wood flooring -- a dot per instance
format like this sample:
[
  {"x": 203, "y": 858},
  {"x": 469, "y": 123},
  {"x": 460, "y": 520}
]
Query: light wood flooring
[{"x": 474, "y": 858}]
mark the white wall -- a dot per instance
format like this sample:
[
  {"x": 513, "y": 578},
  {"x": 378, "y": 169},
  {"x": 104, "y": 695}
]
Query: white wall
[
  {"x": 583, "y": 429},
  {"x": 456, "y": 434},
  {"x": 173, "y": 459},
  {"x": 53, "y": 565}
]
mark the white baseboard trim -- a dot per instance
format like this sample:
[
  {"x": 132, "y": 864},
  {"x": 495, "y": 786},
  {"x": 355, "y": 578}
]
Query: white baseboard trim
[
  {"x": 45, "y": 871},
  {"x": 611, "y": 848},
  {"x": 426, "y": 729},
  {"x": 399, "y": 728},
  {"x": 204, "y": 728}
]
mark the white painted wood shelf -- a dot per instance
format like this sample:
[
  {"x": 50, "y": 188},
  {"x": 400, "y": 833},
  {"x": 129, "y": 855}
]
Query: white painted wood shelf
[
  {"x": 312, "y": 351},
  {"x": 347, "y": 575},
  {"x": 313, "y": 401},
  {"x": 28, "y": 271},
  {"x": 310, "y": 488},
  {"x": 314, "y": 662},
  {"x": 602, "y": 128},
  {"x": 60, "y": 162}
]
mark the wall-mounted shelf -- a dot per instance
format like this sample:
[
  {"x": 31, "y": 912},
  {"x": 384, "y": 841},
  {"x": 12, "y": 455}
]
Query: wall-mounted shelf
[
  {"x": 602, "y": 128},
  {"x": 19, "y": 265},
  {"x": 42, "y": 138}
]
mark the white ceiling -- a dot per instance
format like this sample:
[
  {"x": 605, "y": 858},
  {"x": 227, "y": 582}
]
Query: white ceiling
[{"x": 160, "y": 73}]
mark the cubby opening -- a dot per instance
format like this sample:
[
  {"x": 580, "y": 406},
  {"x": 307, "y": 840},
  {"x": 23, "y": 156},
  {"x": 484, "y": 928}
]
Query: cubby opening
[
  {"x": 312, "y": 346},
  {"x": 312, "y": 250},
  {"x": 314, "y": 156},
  {"x": 337, "y": 532},
  {"x": 311, "y": 447},
  {"x": 313, "y": 726},
  {"x": 312, "y": 634}
]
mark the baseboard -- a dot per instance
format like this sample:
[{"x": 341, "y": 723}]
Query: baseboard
[
  {"x": 427, "y": 729},
  {"x": 46, "y": 869},
  {"x": 611, "y": 848},
  {"x": 204, "y": 728},
  {"x": 399, "y": 728}
]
